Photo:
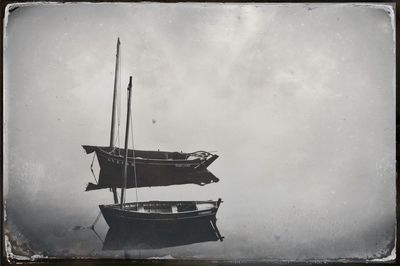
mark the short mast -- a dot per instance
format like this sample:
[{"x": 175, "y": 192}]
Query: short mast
[
  {"x": 114, "y": 107},
  {"x": 128, "y": 117}
]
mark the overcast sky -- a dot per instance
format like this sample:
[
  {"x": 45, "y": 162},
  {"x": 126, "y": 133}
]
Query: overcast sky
[{"x": 298, "y": 100}]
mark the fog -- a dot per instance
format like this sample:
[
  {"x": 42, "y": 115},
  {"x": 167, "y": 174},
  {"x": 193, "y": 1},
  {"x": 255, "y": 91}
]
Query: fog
[{"x": 298, "y": 100}]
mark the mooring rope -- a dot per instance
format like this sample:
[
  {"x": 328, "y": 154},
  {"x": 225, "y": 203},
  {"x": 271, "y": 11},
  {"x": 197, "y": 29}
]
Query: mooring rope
[
  {"x": 92, "y": 228},
  {"x": 95, "y": 221}
]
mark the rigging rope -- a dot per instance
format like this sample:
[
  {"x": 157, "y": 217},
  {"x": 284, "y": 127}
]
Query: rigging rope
[
  {"x": 91, "y": 167},
  {"x": 134, "y": 160}
]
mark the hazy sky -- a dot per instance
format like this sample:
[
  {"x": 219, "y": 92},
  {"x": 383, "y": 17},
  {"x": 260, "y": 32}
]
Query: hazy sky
[{"x": 298, "y": 100}]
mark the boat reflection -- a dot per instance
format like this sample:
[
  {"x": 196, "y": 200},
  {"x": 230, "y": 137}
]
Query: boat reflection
[{"x": 154, "y": 238}]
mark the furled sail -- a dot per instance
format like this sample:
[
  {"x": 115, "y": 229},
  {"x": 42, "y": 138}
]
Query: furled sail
[{"x": 153, "y": 168}]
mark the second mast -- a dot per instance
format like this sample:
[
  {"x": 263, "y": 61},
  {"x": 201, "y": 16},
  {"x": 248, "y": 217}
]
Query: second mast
[{"x": 128, "y": 116}]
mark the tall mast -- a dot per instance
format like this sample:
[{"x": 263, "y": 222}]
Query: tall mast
[
  {"x": 128, "y": 116},
  {"x": 114, "y": 107},
  {"x": 114, "y": 113}
]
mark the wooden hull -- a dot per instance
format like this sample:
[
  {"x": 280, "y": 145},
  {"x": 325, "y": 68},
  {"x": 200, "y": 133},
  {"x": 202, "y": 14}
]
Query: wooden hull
[
  {"x": 160, "y": 215},
  {"x": 151, "y": 171}
]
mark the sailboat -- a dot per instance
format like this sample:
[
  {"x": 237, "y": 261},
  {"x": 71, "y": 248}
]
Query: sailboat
[
  {"x": 125, "y": 168},
  {"x": 152, "y": 168}
]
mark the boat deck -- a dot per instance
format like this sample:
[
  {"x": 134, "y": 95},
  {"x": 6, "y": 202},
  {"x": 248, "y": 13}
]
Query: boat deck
[{"x": 165, "y": 207}]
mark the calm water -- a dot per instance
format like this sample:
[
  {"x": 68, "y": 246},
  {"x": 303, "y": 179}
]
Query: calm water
[{"x": 257, "y": 222}]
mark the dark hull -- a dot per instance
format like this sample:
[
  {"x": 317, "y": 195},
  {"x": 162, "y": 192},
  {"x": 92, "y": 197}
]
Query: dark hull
[
  {"x": 152, "y": 170},
  {"x": 128, "y": 217}
]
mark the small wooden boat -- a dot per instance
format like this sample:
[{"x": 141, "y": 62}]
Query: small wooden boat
[{"x": 160, "y": 214}]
